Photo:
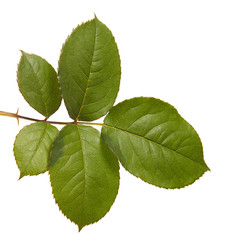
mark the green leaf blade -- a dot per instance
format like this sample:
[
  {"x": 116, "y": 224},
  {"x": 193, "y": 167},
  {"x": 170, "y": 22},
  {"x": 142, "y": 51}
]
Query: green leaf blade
[
  {"x": 84, "y": 174},
  {"x": 154, "y": 143},
  {"x": 38, "y": 83},
  {"x": 32, "y": 146},
  {"x": 89, "y": 71}
]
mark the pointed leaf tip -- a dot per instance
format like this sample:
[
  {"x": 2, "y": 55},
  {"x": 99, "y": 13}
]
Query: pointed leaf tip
[
  {"x": 20, "y": 177},
  {"x": 80, "y": 228}
]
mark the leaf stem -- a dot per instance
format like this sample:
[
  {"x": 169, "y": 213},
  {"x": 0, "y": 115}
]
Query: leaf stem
[
  {"x": 89, "y": 123},
  {"x": 17, "y": 116}
]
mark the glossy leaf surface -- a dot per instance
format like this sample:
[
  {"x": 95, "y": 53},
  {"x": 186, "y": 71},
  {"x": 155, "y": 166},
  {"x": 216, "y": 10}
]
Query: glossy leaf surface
[
  {"x": 38, "y": 84},
  {"x": 32, "y": 147},
  {"x": 154, "y": 143},
  {"x": 89, "y": 71},
  {"x": 84, "y": 174}
]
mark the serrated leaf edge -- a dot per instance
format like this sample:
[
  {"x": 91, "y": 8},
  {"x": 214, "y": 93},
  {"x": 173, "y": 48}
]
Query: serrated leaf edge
[
  {"x": 61, "y": 52},
  {"x": 191, "y": 182},
  {"x": 24, "y": 55},
  {"x": 53, "y": 195},
  {"x": 24, "y": 175}
]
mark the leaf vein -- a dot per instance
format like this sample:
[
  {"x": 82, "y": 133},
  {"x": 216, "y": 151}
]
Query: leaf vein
[
  {"x": 95, "y": 39},
  {"x": 160, "y": 145}
]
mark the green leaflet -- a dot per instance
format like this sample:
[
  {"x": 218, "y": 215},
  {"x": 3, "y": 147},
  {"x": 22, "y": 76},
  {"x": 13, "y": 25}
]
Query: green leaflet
[
  {"x": 89, "y": 71},
  {"x": 38, "y": 84},
  {"x": 84, "y": 174},
  {"x": 148, "y": 136},
  {"x": 154, "y": 143},
  {"x": 32, "y": 147}
]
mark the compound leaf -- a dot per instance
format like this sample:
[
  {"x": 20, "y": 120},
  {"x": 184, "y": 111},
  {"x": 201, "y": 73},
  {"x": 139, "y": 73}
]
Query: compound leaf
[
  {"x": 38, "y": 83},
  {"x": 32, "y": 147},
  {"x": 84, "y": 174},
  {"x": 154, "y": 143},
  {"x": 89, "y": 71}
]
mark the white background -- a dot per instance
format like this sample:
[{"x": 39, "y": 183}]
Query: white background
[{"x": 173, "y": 50}]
